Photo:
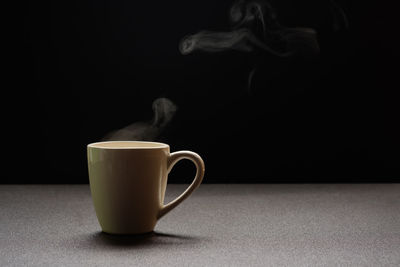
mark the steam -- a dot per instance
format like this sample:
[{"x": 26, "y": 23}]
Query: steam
[
  {"x": 241, "y": 40},
  {"x": 339, "y": 16},
  {"x": 163, "y": 109},
  {"x": 254, "y": 26},
  {"x": 241, "y": 13}
]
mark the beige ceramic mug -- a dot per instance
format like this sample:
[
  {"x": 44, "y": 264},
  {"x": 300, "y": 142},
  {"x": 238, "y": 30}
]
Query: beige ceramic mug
[{"x": 128, "y": 180}]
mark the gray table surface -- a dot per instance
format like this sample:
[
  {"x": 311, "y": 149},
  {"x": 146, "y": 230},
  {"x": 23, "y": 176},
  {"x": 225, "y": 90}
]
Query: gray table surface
[{"x": 219, "y": 225}]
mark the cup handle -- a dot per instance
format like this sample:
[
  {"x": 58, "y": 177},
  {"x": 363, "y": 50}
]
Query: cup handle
[{"x": 172, "y": 160}]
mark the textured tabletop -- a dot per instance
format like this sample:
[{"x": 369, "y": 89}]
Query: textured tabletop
[{"x": 219, "y": 225}]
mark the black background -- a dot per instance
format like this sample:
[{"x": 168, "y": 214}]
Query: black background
[{"x": 82, "y": 69}]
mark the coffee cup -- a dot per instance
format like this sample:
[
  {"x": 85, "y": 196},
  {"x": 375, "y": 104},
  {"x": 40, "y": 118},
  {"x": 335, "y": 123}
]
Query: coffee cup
[{"x": 128, "y": 180}]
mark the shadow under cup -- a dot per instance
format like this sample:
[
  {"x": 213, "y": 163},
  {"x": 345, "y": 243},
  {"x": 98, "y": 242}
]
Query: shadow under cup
[{"x": 128, "y": 180}]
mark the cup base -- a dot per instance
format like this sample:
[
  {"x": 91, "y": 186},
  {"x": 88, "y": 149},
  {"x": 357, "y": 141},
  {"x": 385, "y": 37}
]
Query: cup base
[{"x": 129, "y": 233}]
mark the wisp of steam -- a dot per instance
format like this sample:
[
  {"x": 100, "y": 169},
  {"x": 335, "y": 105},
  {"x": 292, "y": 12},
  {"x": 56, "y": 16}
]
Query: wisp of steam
[
  {"x": 254, "y": 25},
  {"x": 339, "y": 16},
  {"x": 163, "y": 112}
]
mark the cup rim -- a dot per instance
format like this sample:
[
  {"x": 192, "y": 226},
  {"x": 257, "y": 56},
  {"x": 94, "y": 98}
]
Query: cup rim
[{"x": 129, "y": 145}]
